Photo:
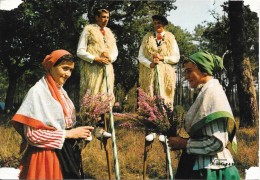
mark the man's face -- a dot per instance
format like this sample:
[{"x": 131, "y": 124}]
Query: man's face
[
  {"x": 103, "y": 19},
  {"x": 193, "y": 75},
  {"x": 158, "y": 26}
]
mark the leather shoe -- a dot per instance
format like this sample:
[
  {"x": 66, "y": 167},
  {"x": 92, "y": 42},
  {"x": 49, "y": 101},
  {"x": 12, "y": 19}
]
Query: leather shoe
[
  {"x": 162, "y": 138},
  {"x": 89, "y": 138},
  {"x": 150, "y": 137},
  {"x": 102, "y": 134}
]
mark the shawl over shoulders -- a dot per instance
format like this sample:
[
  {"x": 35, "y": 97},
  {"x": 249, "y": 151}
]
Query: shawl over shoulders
[
  {"x": 40, "y": 110},
  {"x": 210, "y": 104}
]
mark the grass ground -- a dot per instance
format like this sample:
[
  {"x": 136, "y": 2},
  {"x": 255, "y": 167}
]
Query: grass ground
[{"x": 130, "y": 146}]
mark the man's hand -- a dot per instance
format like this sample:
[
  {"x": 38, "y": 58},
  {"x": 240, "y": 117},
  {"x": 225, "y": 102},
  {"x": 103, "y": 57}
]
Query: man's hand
[
  {"x": 156, "y": 60},
  {"x": 177, "y": 143},
  {"x": 152, "y": 65},
  {"x": 106, "y": 55},
  {"x": 158, "y": 56},
  {"x": 102, "y": 60}
]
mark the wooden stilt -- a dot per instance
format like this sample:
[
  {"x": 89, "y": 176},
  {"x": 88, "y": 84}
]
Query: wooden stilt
[
  {"x": 167, "y": 150},
  {"x": 107, "y": 150},
  {"x": 111, "y": 122},
  {"x": 147, "y": 147},
  {"x": 168, "y": 168},
  {"x": 168, "y": 160},
  {"x": 167, "y": 164}
]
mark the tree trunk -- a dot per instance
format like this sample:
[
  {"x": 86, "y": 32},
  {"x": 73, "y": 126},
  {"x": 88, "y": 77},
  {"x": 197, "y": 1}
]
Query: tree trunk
[
  {"x": 9, "y": 101},
  {"x": 250, "y": 93},
  {"x": 246, "y": 91},
  {"x": 178, "y": 88}
]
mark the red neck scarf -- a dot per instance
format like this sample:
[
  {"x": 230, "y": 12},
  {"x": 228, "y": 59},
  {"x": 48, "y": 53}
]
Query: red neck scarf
[
  {"x": 102, "y": 30},
  {"x": 54, "y": 91},
  {"x": 159, "y": 36}
]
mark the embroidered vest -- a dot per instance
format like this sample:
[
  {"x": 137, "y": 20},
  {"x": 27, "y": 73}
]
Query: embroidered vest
[
  {"x": 97, "y": 42},
  {"x": 150, "y": 46}
]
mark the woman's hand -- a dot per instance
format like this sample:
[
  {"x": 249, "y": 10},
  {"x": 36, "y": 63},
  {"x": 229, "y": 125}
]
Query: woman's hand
[
  {"x": 177, "y": 143},
  {"x": 80, "y": 132}
]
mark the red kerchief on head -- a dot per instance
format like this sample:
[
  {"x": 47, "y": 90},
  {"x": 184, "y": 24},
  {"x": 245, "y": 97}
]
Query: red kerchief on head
[{"x": 52, "y": 58}]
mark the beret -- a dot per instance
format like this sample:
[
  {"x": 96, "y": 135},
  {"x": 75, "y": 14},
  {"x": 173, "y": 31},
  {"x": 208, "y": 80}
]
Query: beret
[{"x": 160, "y": 18}]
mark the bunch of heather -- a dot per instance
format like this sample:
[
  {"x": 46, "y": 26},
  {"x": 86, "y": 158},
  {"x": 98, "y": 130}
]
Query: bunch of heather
[
  {"x": 155, "y": 114},
  {"x": 93, "y": 106},
  {"x": 127, "y": 125},
  {"x": 132, "y": 120}
]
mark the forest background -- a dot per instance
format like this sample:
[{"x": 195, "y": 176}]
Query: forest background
[{"x": 35, "y": 28}]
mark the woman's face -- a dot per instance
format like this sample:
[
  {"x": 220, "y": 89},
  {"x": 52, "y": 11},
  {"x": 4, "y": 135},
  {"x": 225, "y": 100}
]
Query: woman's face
[
  {"x": 62, "y": 72},
  {"x": 193, "y": 75},
  {"x": 158, "y": 26}
]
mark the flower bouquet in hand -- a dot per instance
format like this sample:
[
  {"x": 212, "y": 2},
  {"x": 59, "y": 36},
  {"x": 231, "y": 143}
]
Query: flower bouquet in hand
[
  {"x": 157, "y": 116},
  {"x": 92, "y": 107}
]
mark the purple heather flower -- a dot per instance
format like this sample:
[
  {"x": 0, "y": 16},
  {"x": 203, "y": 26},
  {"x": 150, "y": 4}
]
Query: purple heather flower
[
  {"x": 152, "y": 109},
  {"x": 95, "y": 105}
]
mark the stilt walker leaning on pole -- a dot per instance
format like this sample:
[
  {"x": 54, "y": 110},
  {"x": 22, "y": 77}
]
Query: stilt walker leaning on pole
[
  {"x": 158, "y": 49},
  {"x": 97, "y": 48}
]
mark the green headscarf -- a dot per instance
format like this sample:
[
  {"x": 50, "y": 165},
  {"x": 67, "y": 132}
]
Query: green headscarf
[{"x": 207, "y": 62}]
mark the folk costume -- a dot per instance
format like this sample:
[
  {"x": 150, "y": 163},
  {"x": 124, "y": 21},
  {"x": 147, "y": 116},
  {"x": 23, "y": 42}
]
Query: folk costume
[
  {"x": 45, "y": 113},
  {"x": 167, "y": 47},
  {"x": 210, "y": 124},
  {"x": 93, "y": 42}
]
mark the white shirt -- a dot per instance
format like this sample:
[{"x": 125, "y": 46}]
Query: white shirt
[
  {"x": 173, "y": 59},
  {"x": 211, "y": 149},
  {"x": 86, "y": 56}
]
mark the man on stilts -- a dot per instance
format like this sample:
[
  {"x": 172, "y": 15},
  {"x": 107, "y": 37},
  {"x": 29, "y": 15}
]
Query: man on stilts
[
  {"x": 158, "y": 54},
  {"x": 98, "y": 50}
]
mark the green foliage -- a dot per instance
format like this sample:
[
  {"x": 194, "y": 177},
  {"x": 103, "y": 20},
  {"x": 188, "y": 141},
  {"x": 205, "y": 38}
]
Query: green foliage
[
  {"x": 215, "y": 37},
  {"x": 36, "y": 28},
  {"x": 3, "y": 85}
]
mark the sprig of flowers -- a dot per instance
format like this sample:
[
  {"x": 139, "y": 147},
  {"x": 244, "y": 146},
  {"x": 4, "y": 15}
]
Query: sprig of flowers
[
  {"x": 155, "y": 114},
  {"x": 93, "y": 106},
  {"x": 132, "y": 120}
]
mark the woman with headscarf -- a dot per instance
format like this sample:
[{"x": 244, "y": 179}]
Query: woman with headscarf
[
  {"x": 208, "y": 122},
  {"x": 46, "y": 121}
]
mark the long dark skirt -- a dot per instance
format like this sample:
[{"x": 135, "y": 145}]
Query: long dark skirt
[
  {"x": 185, "y": 170},
  {"x": 185, "y": 166},
  {"x": 70, "y": 160}
]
